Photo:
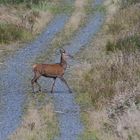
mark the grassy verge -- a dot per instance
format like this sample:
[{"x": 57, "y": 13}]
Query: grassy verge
[
  {"x": 39, "y": 121},
  {"x": 107, "y": 80}
]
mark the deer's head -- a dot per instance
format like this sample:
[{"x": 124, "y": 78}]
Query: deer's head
[{"x": 64, "y": 54}]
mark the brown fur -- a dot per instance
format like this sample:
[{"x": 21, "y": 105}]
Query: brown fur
[{"x": 51, "y": 71}]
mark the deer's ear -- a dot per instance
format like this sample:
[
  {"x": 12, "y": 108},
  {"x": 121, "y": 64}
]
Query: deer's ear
[{"x": 62, "y": 50}]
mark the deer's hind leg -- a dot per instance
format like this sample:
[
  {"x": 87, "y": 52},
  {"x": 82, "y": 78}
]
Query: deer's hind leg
[{"x": 34, "y": 80}]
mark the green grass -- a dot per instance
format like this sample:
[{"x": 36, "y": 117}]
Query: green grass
[
  {"x": 10, "y": 33},
  {"x": 92, "y": 10},
  {"x": 22, "y": 1},
  {"x": 115, "y": 28},
  {"x": 96, "y": 87},
  {"x": 42, "y": 5},
  {"x": 61, "y": 9},
  {"x": 88, "y": 135},
  {"x": 54, "y": 8},
  {"x": 128, "y": 44}
]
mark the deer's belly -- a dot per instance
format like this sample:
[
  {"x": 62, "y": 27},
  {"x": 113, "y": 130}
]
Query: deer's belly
[{"x": 50, "y": 76}]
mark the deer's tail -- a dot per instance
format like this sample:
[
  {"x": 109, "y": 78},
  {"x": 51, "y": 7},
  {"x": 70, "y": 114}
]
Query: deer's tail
[{"x": 34, "y": 67}]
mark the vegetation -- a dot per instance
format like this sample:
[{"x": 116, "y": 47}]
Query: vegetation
[
  {"x": 22, "y": 1},
  {"x": 126, "y": 3},
  {"x": 107, "y": 83},
  {"x": 10, "y": 32},
  {"x": 128, "y": 44},
  {"x": 22, "y": 25}
]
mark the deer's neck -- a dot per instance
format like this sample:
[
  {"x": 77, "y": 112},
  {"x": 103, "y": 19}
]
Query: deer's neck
[{"x": 63, "y": 62}]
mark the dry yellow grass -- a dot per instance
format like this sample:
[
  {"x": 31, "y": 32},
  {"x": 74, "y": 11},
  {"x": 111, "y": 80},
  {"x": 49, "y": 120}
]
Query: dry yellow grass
[
  {"x": 108, "y": 91},
  {"x": 8, "y": 14},
  {"x": 43, "y": 20},
  {"x": 22, "y": 16},
  {"x": 78, "y": 15}
]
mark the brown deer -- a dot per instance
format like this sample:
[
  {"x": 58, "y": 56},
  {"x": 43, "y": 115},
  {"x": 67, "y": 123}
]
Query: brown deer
[{"x": 51, "y": 71}]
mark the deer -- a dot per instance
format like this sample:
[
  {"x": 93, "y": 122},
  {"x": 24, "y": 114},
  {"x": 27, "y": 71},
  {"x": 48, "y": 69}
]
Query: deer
[{"x": 53, "y": 71}]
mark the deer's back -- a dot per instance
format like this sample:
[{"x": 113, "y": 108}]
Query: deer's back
[{"x": 49, "y": 70}]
